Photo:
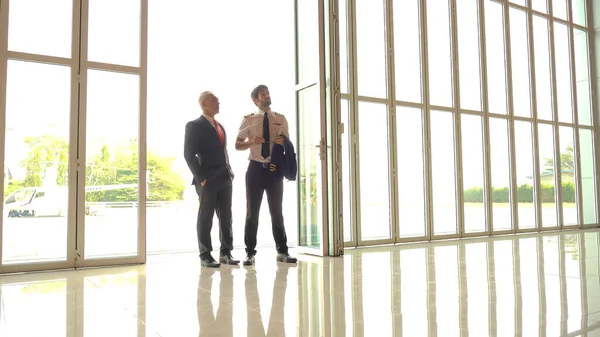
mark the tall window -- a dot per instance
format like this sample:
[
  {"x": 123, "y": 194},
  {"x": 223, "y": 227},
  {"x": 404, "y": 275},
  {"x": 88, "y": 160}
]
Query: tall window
[{"x": 485, "y": 125}]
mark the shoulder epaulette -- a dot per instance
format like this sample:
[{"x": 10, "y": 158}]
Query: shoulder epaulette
[
  {"x": 278, "y": 114},
  {"x": 249, "y": 115}
]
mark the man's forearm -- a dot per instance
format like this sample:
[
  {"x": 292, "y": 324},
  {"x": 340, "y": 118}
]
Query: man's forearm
[{"x": 242, "y": 145}]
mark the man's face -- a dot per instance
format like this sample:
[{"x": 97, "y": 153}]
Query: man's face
[
  {"x": 264, "y": 99},
  {"x": 212, "y": 104}
]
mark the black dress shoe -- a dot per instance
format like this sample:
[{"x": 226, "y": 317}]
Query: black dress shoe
[
  {"x": 210, "y": 262},
  {"x": 286, "y": 258},
  {"x": 228, "y": 259},
  {"x": 249, "y": 260}
]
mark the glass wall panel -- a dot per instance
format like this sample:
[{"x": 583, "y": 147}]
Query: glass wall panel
[
  {"x": 36, "y": 162},
  {"x": 588, "y": 172},
  {"x": 440, "y": 56},
  {"x": 32, "y": 30},
  {"x": 443, "y": 173},
  {"x": 546, "y": 143},
  {"x": 543, "y": 82},
  {"x": 374, "y": 171},
  {"x": 407, "y": 40},
  {"x": 568, "y": 176},
  {"x": 525, "y": 175},
  {"x": 468, "y": 54},
  {"x": 371, "y": 48},
  {"x": 496, "y": 61},
  {"x": 500, "y": 170},
  {"x": 519, "y": 48},
  {"x": 473, "y": 173},
  {"x": 411, "y": 172},
  {"x": 564, "y": 92}
]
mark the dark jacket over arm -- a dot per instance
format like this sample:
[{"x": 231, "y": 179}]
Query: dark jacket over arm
[{"x": 283, "y": 160}]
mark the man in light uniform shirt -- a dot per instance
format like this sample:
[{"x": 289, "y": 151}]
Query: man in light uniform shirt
[{"x": 259, "y": 132}]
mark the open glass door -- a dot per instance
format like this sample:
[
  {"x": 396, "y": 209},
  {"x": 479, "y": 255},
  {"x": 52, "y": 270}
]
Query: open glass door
[
  {"x": 316, "y": 97},
  {"x": 112, "y": 124}
]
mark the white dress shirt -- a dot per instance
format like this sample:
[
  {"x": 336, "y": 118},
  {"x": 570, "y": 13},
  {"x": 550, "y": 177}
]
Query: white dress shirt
[{"x": 252, "y": 126}]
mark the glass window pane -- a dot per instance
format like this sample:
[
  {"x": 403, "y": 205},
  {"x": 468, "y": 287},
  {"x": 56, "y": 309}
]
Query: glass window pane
[
  {"x": 374, "y": 171},
  {"x": 542, "y": 68},
  {"x": 559, "y": 9},
  {"x": 496, "y": 63},
  {"x": 343, "y": 27},
  {"x": 582, "y": 77},
  {"x": 309, "y": 170},
  {"x": 525, "y": 174},
  {"x": 519, "y": 2},
  {"x": 579, "y": 12},
  {"x": 468, "y": 55},
  {"x": 588, "y": 172},
  {"x": 411, "y": 178},
  {"x": 407, "y": 55},
  {"x": 564, "y": 91},
  {"x": 519, "y": 44},
  {"x": 567, "y": 174},
  {"x": 36, "y": 162},
  {"x": 440, "y": 57},
  {"x": 114, "y": 35},
  {"x": 111, "y": 224},
  {"x": 500, "y": 171},
  {"x": 540, "y": 6},
  {"x": 443, "y": 172},
  {"x": 547, "y": 174},
  {"x": 371, "y": 48},
  {"x": 41, "y": 27},
  {"x": 473, "y": 173},
  {"x": 307, "y": 32},
  {"x": 346, "y": 172}
]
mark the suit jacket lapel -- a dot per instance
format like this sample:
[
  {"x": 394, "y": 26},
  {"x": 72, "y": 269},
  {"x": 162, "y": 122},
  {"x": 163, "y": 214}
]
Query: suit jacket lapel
[
  {"x": 212, "y": 127},
  {"x": 207, "y": 124}
]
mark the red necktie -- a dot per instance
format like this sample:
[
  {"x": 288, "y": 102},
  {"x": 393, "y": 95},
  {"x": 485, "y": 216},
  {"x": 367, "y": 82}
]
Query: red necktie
[{"x": 220, "y": 132}]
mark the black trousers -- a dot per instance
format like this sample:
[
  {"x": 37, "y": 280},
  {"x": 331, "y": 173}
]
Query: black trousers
[
  {"x": 214, "y": 197},
  {"x": 258, "y": 181}
]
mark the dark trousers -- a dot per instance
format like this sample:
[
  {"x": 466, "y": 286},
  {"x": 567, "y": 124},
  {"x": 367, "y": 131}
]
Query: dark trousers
[
  {"x": 258, "y": 181},
  {"x": 214, "y": 197}
]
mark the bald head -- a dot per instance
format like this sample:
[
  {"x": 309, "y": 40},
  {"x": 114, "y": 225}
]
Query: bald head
[{"x": 209, "y": 103}]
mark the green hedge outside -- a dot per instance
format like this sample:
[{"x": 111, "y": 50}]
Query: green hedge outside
[{"x": 524, "y": 192}]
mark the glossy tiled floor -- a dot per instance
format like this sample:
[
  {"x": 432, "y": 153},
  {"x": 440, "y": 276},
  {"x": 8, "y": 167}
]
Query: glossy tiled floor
[{"x": 526, "y": 286}]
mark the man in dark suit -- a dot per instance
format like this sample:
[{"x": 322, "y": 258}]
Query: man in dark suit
[{"x": 205, "y": 151}]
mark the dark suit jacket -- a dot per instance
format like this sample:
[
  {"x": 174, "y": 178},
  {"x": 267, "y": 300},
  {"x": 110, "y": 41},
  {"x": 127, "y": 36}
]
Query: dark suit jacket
[
  {"x": 204, "y": 154},
  {"x": 283, "y": 160}
]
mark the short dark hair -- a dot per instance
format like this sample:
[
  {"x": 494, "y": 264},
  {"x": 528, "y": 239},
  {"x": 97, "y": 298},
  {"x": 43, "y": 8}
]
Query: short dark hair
[{"x": 257, "y": 90}]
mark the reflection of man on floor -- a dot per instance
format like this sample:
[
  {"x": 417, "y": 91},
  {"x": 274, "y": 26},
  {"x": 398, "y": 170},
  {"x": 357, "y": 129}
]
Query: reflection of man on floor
[
  {"x": 276, "y": 320},
  {"x": 222, "y": 325}
]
